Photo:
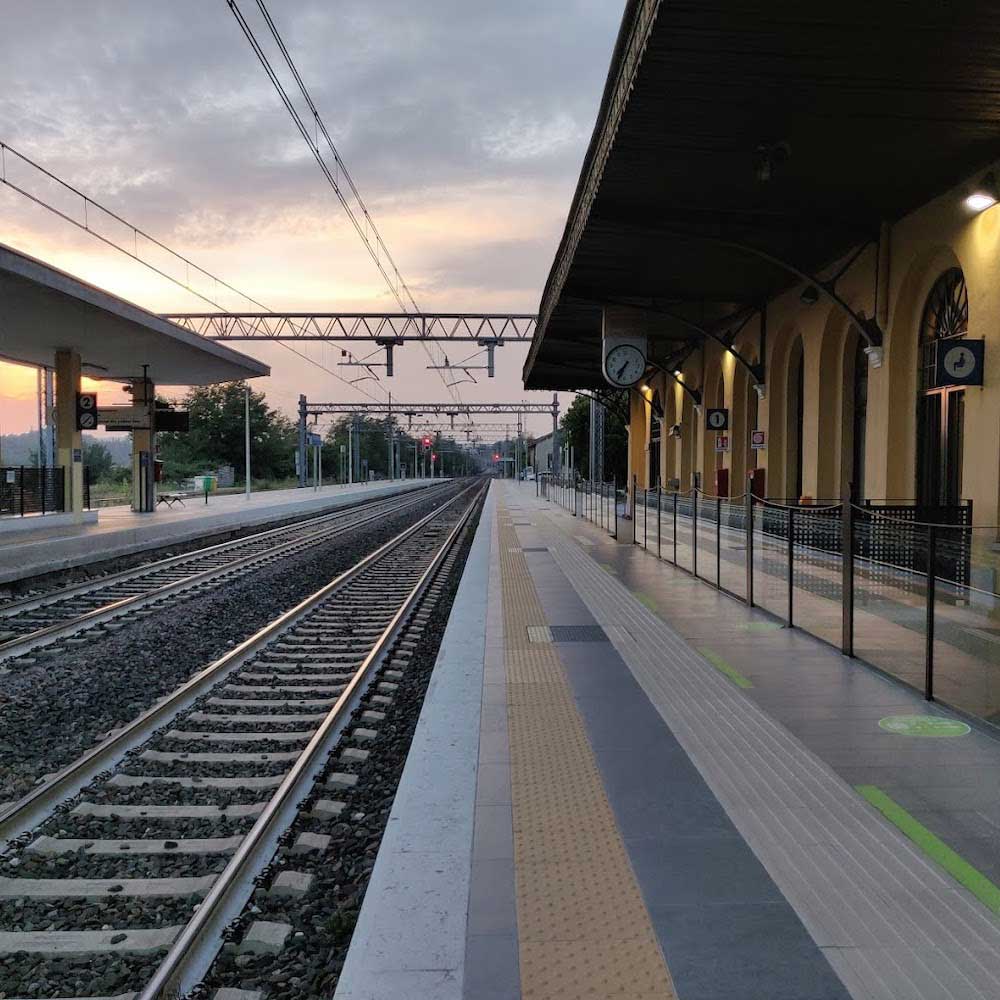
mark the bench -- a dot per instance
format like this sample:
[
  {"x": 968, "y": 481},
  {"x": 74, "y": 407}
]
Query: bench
[{"x": 170, "y": 499}]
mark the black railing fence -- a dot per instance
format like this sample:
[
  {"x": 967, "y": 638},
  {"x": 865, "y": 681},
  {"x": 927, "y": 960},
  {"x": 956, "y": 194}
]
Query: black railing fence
[
  {"x": 911, "y": 572},
  {"x": 25, "y": 489}
]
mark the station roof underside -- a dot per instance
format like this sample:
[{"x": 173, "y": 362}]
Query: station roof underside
[
  {"x": 44, "y": 310},
  {"x": 862, "y": 111}
]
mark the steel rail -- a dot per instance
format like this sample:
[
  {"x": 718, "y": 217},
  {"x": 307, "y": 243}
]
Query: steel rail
[
  {"x": 22, "y": 644},
  {"x": 9, "y": 608},
  {"x": 188, "y": 956},
  {"x": 22, "y": 815}
]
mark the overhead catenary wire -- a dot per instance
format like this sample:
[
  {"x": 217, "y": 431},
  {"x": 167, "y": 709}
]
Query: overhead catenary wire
[
  {"x": 363, "y": 225},
  {"x": 134, "y": 254}
]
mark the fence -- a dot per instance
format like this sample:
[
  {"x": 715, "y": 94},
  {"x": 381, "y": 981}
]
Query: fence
[
  {"x": 595, "y": 501},
  {"x": 912, "y": 590},
  {"x": 30, "y": 490}
]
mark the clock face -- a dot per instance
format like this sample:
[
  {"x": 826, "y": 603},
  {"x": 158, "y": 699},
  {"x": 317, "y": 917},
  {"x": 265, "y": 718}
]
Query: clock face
[{"x": 624, "y": 365}]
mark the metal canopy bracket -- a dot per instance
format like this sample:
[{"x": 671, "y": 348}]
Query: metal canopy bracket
[{"x": 867, "y": 326}]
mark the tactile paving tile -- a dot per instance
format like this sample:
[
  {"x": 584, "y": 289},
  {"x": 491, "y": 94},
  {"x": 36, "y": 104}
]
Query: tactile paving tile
[{"x": 583, "y": 930}]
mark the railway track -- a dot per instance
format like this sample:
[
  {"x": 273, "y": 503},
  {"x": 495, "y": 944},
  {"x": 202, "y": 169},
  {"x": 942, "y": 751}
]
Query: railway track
[
  {"x": 129, "y": 887},
  {"x": 46, "y": 619}
]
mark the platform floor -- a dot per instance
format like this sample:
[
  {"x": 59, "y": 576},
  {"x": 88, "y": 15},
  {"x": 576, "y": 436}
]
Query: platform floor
[
  {"x": 121, "y": 531},
  {"x": 626, "y": 784}
]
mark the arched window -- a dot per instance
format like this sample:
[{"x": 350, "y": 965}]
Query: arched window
[{"x": 940, "y": 411}]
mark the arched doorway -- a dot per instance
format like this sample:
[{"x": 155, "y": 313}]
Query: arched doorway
[
  {"x": 940, "y": 412},
  {"x": 794, "y": 420},
  {"x": 721, "y": 484},
  {"x": 859, "y": 418},
  {"x": 655, "y": 440}
]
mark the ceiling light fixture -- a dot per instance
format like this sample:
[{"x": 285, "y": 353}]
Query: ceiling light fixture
[{"x": 983, "y": 195}]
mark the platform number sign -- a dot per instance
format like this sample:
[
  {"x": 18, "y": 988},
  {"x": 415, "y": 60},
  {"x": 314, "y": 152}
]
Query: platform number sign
[
  {"x": 86, "y": 411},
  {"x": 717, "y": 419},
  {"x": 959, "y": 362}
]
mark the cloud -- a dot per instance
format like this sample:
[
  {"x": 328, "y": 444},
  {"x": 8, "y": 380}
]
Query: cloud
[{"x": 463, "y": 123}]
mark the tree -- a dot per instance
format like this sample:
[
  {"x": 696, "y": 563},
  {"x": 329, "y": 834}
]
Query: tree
[
  {"x": 99, "y": 461},
  {"x": 575, "y": 427},
  {"x": 217, "y": 434}
]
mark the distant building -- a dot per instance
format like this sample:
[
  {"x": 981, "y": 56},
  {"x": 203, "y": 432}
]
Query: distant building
[{"x": 540, "y": 453}]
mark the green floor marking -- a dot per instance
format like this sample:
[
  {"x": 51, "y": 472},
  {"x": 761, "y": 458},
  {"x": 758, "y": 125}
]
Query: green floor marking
[
  {"x": 724, "y": 668},
  {"x": 762, "y": 626},
  {"x": 932, "y": 726},
  {"x": 648, "y": 601},
  {"x": 954, "y": 864}
]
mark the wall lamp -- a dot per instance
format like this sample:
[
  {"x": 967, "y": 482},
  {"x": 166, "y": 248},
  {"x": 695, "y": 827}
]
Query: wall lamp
[{"x": 984, "y": 194}]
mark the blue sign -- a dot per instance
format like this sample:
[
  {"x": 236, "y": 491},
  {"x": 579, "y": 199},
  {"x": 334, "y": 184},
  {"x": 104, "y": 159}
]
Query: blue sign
[
  {"x": 314, "y": 441},
  {"x": 959, "y": 362}
]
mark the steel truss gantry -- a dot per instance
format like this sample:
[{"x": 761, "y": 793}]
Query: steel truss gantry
[
  {"x": 431, "y": 409},
  {"x": 393, "y": 411},
  {"x": 396, "y": 328}
]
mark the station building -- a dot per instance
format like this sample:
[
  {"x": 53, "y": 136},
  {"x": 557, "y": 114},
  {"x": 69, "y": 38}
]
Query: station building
[{"x": 792, "y": 213}]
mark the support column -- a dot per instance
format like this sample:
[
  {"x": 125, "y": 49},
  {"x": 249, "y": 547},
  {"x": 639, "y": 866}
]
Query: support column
[
  {"x": 69, "y": 441},
  {"x": 143, "y": 448},
  {"x": 50, "y": 431}
]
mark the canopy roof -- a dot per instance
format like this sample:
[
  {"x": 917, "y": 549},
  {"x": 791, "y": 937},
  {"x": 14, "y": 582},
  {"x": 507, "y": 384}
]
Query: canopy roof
[
  {"x": 44, "y": 310},
  {"x": 860, "y": 112}
]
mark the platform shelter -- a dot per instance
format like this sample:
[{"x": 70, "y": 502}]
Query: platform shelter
[{"x": 51, "y": 319}]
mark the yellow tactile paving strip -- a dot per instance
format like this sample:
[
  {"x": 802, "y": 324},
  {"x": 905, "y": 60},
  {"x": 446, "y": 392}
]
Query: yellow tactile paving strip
[{"x": 583, "y": 929}]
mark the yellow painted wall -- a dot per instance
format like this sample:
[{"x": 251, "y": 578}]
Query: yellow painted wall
[{"x": 917, "y": 250}]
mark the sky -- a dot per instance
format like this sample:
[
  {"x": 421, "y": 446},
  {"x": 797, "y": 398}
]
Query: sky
[{"x": 463, "y": 122}]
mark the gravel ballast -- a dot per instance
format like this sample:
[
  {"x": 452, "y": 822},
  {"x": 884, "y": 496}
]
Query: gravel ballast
[
  {"x": 56, "y": 708},
  {"x": 323, "y": 918},
  {"x": 88, "y": 838}
]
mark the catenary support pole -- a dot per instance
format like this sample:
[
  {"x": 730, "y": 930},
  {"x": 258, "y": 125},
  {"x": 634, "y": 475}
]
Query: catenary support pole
[{"x": 246, "y": 438}]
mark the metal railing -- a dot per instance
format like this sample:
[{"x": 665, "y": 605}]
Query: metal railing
[
  {"x": 910, "y": 589},
  {"x": 592, "y": 500},
  {"x": 28, "y": 489}
]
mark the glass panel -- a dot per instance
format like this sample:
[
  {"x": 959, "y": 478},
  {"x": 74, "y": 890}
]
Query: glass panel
[
  {"x": 734, "y": 547},
  {"x": 770, "y": 559},
  {"x": 889, "y": 596},
  {"x": 706, "y": 537},
  {"x": 818, "y": 572},
  {"x": 685, "y": 506},
  {"x": 967, "y": 622}
]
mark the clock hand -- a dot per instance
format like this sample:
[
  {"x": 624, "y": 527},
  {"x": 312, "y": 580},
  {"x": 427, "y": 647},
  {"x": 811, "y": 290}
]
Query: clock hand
[{"x": 621, "y": 371}]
